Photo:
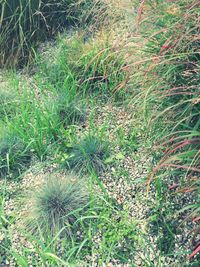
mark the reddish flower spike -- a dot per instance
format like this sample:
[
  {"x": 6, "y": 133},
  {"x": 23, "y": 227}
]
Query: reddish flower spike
[{"x": 197, "y": 250}]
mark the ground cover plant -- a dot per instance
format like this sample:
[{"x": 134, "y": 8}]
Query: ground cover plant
[
  {"x": 99, "y": 134},
  {"x": 57, "y": 204},
  {"x": 96, "y": 69},
  {"x": 89, "y": 154}
]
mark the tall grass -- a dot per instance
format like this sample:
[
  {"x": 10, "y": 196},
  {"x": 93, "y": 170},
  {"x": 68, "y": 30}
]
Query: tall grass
[
  {"x": 24, "y": 23},
  {"x": 171, "y": 86},
  {"x": 89, "y": 154},
  {"x": 14, "y": 155}
]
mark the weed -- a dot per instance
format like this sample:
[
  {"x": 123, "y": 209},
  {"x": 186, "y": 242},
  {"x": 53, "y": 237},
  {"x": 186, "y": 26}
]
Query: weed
[
  {"x": 118, "y": 240},
  {"x": 127, "y": 141}
]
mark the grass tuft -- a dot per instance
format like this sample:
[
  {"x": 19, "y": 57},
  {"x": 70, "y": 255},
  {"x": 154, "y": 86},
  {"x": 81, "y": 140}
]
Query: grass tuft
[
  {"x": 89, "y": 154},
  {"x": 57, "y": 205},
  {"x": 14, "y": 156}
]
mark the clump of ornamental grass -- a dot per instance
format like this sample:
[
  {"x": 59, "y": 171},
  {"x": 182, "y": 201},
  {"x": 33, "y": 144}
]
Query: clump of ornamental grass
[
  {"x": 101, "y": 70},
  {"x": 89, "y": 154},
  {"x": 57, "y": 205},
  {"x": 171, "y": 77},
  {"x": 14, "y": 155}
]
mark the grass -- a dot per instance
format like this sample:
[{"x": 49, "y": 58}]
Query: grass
[
  {"x": 172, "y": 92},
  {"x": 96, "y": 68},
  {"x": 8, "y": 96},
  {"x": 72, "y": 113},
  {"x": 59, "y": 110},
  {"x": 103, "y": 72},
  {"x": 6, "y": 108},
  {"x": 24, "y": 24},
  {"x": 14, "y": 156},
  {"x": 89, "y": 154},
  {"x": 95, "y": 219},
  {"x": 57, "y": 205}
]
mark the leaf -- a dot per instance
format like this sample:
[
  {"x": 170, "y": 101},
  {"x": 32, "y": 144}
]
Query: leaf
[
  {"x": 119, "y": 156},
  {"x": 109, "y": 160},
  {"x": 55, "y": 257},
  {"x": 140, "y": 180},
  {"x": 22, "y": 261},
  {"x": 154, "y": 218}
]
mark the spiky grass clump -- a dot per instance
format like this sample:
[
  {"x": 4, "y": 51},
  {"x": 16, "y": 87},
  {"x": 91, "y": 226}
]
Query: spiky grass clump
[
  {"x": 14, "y": 156},
  {"x": 70, "y": 109},
  {"x": 57, "y": 205},
  {"x": 89, "y": 154}
]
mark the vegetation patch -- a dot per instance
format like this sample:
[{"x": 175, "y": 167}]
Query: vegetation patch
[
  {"x": 89, "y": 154},
  {"x": 114, "y": 98},
  {"x": 24, "y": 23},
  {"x": 57, "y": 205},
  {"x": 14, "y": 156}
]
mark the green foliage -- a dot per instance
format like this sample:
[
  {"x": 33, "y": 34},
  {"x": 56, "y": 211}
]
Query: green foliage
[
  {"x": 172, "y": 39},
  {"x": 14, "y": 155},
  {"x": 161, "y": 223},
  {"x": 71, "y": 109},
  {"x": 174, "y": 76},
  {"x": 101, "y": 72},
  {"x": 127, "y": 142},
  {"x": 119, "y": 239},
  {"x": 89, "y": 154},
  {"x": 5, "y": 222},
  {"x": 5, "y": 246},
  {"x": 57, "y": 205},
  {"x": 24, "y": 23},
  {"x": 8, "y": 96},
  {"x": 36, "y": 122},
  {"x": 69, "y": 226},
  {"x": 172, "y": 92},
  {"x": 6, "y": 105},
  {"x": 71, "y": 113},
  {"x": 95, "y": 66}
]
